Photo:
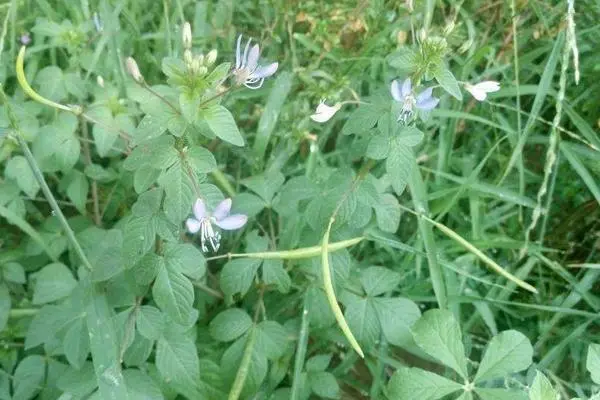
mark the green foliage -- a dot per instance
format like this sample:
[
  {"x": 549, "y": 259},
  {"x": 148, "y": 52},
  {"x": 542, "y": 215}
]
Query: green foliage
[{"x": 106, "y": 291}]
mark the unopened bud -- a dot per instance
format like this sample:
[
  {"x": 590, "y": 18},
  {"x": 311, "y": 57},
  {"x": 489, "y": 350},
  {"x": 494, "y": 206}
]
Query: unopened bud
[
  {"x": 211, "y": 57},
  {"x": 188, "y": 58},
  {"x": 133, "y": 70},
  {"x": 449, "y": 28},
  {"x": 100, "y": 81},
  {"x": 422, "y": 35},
  {"x": 186, "y": 35},
  {"x": 200, "y": 58},
  {"x": 202, "y": 70},
  {"x": 195, "y": 65},
  {"x": 465, "y": 46}
]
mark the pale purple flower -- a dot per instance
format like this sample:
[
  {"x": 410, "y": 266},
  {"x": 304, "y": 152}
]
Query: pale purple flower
[
  {"x": 203, "y": 221},
  {"x": 481, "y": 89},
  {"x": 424, "y": 101},
  {"x": 25, "y": 39},
  {"x": 247, "y": 72}
]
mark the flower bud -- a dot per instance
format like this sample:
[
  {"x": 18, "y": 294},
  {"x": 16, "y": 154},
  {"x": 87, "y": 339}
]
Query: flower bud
[
  {"x": 100, "y": 81},
  {"x": 202, "y": 70},
  {"x": 211, "y": 57},
  {"x": 200, "y": 58},
  {"x": 188, "y": 58},
  {"x": 186, "y": 35},
  {"x": 133, "y": 70},
  {"x": 195, "y": 65},
  {"x": 324, "y": 112},
  {"x": 449, "y": 28}
]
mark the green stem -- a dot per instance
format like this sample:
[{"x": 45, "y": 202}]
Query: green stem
[
  {"x": 23, "y": 312},
  {"x": 297, "y": 254},
  {"x": 419, "y": 196},
  {"x": 223, "y": 183},
  {"x": 52, "y": 201},
  {"x": 300, "y": 354}
]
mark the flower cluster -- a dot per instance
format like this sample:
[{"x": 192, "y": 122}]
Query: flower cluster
[{"x": 203, "y": 222}]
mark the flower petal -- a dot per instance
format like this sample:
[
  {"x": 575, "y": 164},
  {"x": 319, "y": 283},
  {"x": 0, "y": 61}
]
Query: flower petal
[
  {"x": 424, "y": 96},
  {"x": 406, "y": 87},
  {"x": 265, "y": 71},
  {"x": 476, "y": 92},
  {"x": 395, "y": 90},
  {"x": 222, "y": 209},
  {"x": 199, "y": 209},
  {"x": 193, "y": 225},
  {"x": 238, "y": 53},
  {"x": 232, "y": 222},
  {"x": 488, "y": 86},
  {"x": 245, "y": 57},
  {"x": 252, "y": 61},
  {"x": 428, "y": 104}
]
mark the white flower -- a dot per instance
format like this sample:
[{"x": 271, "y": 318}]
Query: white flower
[
  {"x": 247, "y": 72},
  {"x": 204, "y": 221},
  {"x": 325, "y": 112},
  {"x": 481, "y": 89}
]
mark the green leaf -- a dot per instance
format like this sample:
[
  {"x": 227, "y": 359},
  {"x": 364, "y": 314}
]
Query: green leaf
[
  {"x": 201, "y": 160},
  {"x": 150, "y": 127},
  {"x": 230, "y": 324},
  {"x": 177, "y": 361},
  {"x": 104, "y": 346},
  {"x": 396, "y": 316},
  {"x": 257, "y": 370},
  {"x": 237, "y": 276},
  {"x": 158, "y": 153},
  {"x": 48, "y": 321},
  {"x": 404, "y": 59},
  {"x": 103, "y": 249},
  {"x": 141, "y": 386},
  {"x": 144, "y": 178},
  {"x": 316, "y": 303},
  {"x": 222, "y": 124},
  {"x": 29, "y": 377},
  {"x": 379, "y": 280},
  {"x": 105, "y": 133},
  {"x": 179, "y": 193},
  {"x": 415, "y": 383},
  {"x": 593, "y": 362},
  {"x": 174, "y": 294},
  {"x": 139, "y": 234},
  {"x": 78, "y": 382},
  {"x": 324, "y": 385},
  {"x": 77, "y": 190},
  {"x": 19, "y": 170},
  {"x": 541, "y": 389},
  {"x": 13, "y": 272},
  {"x": 447, "y": 81},
  {"x": 51, "y": 83},
  {"x": 271, "y": 339},
  {"x": 399, "y": 164},
  {"x": 185, "y": 258},
  {"x": 388, "y": 213},
  {"x": 53, "y": 282},
  {"x": 438, "y": 334},
  {"x": 139, "y": 351},
  {"x": 500, "y": 394},
  {"x": 273, "y": 273},
  {"x": 379, "y": 147},
  {"x": 57, "y": 148},
  {"x": 363, "y": 322},
  {"x": 5, "y": 304},
  {"x": 279, "y": 92},
  {"x": 150, "y": 322},
  {"x": 265, "y": 185},
  {"x": 361, "y": 120},
  {"x": 76, "y": 344},
  {"x": 507, "y": 353},
  {"x": 318, "y": 363}
]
